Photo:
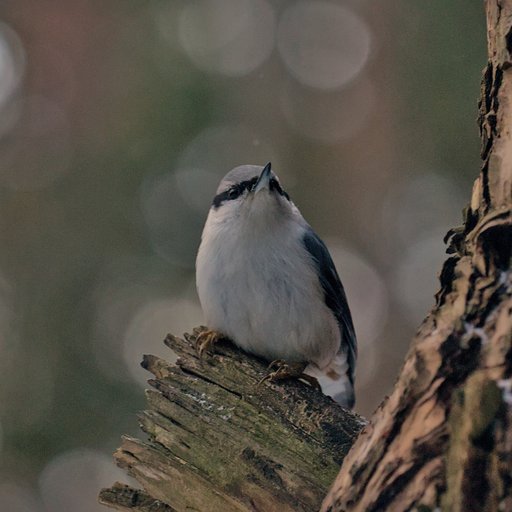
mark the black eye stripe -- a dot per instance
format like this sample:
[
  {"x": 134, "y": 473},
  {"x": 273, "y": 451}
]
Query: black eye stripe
[
  {"x": 274, "y": 184},
  {"x": 233, "y": 192},
  {"x": 237, "y": 190}
]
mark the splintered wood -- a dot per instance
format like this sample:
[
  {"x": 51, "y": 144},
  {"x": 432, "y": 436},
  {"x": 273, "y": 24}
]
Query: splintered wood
[{"x": 219, "y": 442}]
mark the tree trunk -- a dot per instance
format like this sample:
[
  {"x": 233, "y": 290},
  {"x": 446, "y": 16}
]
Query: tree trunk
[
  {"x": 221, "y": 443},
  {"x": 443, "y": 439}
]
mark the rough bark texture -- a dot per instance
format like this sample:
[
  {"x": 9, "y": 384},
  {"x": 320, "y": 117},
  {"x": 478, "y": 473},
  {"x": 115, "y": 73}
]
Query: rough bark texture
[
  {"x": 443, "y": 439},
  {"x": 219, "y": 442}
]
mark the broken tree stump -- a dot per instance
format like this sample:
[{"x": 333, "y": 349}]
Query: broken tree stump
[{"x": 219, "y": 442}]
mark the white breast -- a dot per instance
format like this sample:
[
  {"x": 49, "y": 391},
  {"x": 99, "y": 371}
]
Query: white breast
[{"x": 260, "y": 288}]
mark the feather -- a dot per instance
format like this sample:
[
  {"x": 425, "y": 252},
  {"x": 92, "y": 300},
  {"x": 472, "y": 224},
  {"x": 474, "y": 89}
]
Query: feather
[{"x": 334, "y": 295}]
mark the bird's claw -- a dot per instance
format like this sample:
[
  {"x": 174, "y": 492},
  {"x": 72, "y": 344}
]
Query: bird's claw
[
  {"x": 277, "y": 363},
  {"x": 206, "y": 339},
  {"x": 284, "y": 370}
]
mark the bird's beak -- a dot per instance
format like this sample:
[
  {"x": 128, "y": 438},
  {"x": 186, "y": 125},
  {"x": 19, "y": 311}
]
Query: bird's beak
[{"x": 264, "y": 179}]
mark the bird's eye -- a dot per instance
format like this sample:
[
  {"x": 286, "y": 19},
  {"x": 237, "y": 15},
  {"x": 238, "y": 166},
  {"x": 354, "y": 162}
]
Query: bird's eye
[
  {"x": 274, "y": 185},
  {"x": 233, "y": 192}
]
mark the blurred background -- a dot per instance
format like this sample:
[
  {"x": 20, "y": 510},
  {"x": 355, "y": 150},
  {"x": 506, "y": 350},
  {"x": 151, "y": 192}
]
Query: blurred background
[{"x": 117, "y": 120}]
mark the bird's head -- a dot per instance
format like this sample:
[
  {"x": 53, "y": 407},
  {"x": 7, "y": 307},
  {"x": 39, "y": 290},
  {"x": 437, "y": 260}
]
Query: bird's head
[{"x": 252, "y": 192}]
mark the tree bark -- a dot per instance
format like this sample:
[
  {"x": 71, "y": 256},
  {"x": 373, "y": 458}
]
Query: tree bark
[
  {"x": 443, "y": 439},
  {"x": 218, "y": 442}
]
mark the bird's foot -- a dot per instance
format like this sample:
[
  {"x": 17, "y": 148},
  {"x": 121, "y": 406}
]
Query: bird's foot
[
  {"x": 206, "y": 339},
  {"x": 283, "y": 370}
]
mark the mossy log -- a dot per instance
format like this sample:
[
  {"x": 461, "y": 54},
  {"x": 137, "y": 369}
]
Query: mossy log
[{"x": 219, "y": 442}]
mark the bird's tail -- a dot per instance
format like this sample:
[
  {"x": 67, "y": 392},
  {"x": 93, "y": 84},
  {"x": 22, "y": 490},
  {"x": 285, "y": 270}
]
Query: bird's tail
[{"x": 335, "y": 380}]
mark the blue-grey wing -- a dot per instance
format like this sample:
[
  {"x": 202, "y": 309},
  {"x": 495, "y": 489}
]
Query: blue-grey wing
[{"x": 334, "y": 294}]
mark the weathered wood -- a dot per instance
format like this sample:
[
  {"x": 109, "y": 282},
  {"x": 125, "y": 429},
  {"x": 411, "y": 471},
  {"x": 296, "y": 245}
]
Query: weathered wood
[
  {"x": 219, "y": 442},
  {"x": 124, "y": 497},
  {"x": 443, "y": 439}
]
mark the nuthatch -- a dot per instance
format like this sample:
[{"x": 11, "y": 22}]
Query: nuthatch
[{"x": 267, "y": 282}]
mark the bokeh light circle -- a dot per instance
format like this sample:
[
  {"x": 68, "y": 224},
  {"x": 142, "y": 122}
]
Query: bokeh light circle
[
  {"x": 329, "y": 117},
  {"x": 323, "y": 45},
  {"x": 149, "y": 326},
  {"x": 231, "y": 37},
  {"x": 366, "y": 292},
  {"x": 220, "y": 147},
  {"x": 71, "y": 480},
  {"x": 426, "y": 202},
  {"x": 12, "y": 62},
  {"x": 196, "y": 187},
  {"x": 174, "y": 228},
  {"x": 6, "y": 316},
  {"x": 41, "y": 148},
  {"x": 416, "y": 274},
  {"x": 368, "y": 299},
  {"x": 18, "y": 497}
]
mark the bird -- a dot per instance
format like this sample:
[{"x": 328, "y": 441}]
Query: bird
[{"x": 267, "y": 282}]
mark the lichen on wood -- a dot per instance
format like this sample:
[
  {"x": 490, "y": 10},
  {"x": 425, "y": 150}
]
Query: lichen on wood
[{"x": 219, "y": 442}]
